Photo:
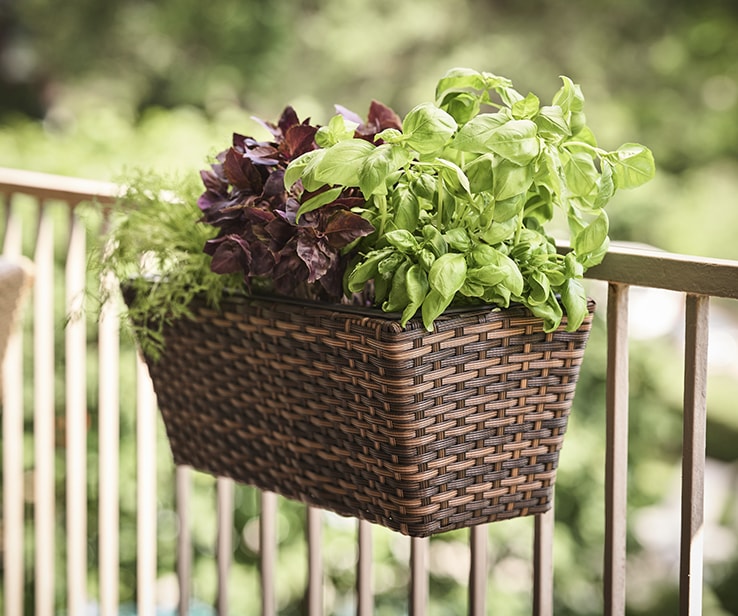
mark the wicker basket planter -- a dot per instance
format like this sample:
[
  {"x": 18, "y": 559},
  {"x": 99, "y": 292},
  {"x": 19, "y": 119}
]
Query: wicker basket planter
[{"x": 420, "y": 432}]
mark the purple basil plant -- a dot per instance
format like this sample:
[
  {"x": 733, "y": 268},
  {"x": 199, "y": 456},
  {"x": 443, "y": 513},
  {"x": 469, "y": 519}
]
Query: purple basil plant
[{"x": 259, "y": 236}]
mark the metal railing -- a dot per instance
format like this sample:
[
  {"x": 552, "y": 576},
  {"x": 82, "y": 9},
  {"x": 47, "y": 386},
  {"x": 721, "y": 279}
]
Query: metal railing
[{"x": 31, "y": 414}]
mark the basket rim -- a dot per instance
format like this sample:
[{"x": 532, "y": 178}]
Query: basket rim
[{"x": 390, "y": 321}]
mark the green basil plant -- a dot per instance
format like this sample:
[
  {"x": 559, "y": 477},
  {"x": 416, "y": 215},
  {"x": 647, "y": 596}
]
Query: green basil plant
[
  {"x": 448, "y": 206},
  {"x": 459, "y": 195}
]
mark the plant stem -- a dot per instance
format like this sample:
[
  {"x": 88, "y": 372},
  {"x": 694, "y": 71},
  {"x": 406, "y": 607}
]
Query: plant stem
[
  {"x": 381, "y": 201},
  {"x": 584, "y": 144},
  {"x": 519, "y": 230},
  {"x": 439, "y": 213}
]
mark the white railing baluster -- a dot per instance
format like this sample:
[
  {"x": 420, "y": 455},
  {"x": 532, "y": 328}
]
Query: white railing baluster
[
  {"x": 543, "y": 536},
  {"x": 315, "y": 562},
  {"x": 44, "y": 415},
  {"x": 419, "y": 562},
  {"x": 364, "y": 591},
  {"x": 225, "y": 541},
  {"x": 268, "y": 552},
  {"x": 478, "y": 570},
  {"x": 76, "y": 420},
  {"x": 184, "y": 538},
  {"x": 109, "y": 452},
  {"x": 146, "y": 494},
  {"x": 693, "y": 456},
  {"x": 12, "y": 424},
  {"x": 616, "y": 456}
]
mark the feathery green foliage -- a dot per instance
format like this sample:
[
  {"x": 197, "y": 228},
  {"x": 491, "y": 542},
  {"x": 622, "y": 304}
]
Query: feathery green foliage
[{"x": 155, "y": 250}]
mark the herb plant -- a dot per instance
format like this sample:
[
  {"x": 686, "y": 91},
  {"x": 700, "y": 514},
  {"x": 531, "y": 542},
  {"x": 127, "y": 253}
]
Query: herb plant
[
  {"x": 447, "y": 206},
  {"x": 459, "y": 195}
]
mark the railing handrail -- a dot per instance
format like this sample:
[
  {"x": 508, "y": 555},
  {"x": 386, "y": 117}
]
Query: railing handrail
[
  {"x": 49, "y": 186},
  {"x": 637, "y": 265},
  {"x": 645, "y": 266}
]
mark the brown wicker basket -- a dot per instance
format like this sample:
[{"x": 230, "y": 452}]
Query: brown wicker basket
[{"x": 420, "y": 432}]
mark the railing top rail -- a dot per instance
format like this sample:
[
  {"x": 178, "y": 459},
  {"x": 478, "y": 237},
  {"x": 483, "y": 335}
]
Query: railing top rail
[
  {"x": 645, "y": 266},
  {"x": 48, "y": 186},
  {"x": 630, "y": 264}
]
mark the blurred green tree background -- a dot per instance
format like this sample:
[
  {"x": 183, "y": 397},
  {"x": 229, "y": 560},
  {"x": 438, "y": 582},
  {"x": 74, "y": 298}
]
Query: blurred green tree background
[{"x": 93, "y": 89}]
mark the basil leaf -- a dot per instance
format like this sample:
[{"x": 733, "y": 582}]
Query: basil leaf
[
  {"x": 406, "y": 207},
  {"x": 416, "y": 283},
  {"x": 471, "y": 289},
  {"x": 569, "y": 97},
  {"x": 389, "y": 135},
  {"x": 572, "y": 267},
  {"x": 595, "y": 257},
  {"x": 460, "y": 79},
  {"x": 338, "y": 129},
  {"x": 485, "y": 255},
  {"x": 549, "y": 170},
  {"x": 574, "y": 298},
  {"x": 552, "y": 123},
  {"x": 389, "y": 265},
  {"x": 462, "y": 106},
  {"x": 592, "y": 236},
  {"x": 540, "y": 288},
  {"x": 606, "y": 186},
  {"x": 513, "y": 277},
  {"x": 341, "y": 163},
  {"x": 475, "y": 134},
  {"x": 490, "y": 260},
  {"x": 318, "y": 201},
  {"x": 366, "y": 270},
  {"x": 480, "y": 173},
  {"x": 426, "y": 258},
  {"x": 581, "y": 173},
  {"x": 453, "y": 177},
  {"x": 511, "y": 179},
  {"x": 509, "y": 208},
  {"x": 509, "y": 95},
  {"x": 500, "y": 231},
  {"x": 425, "y": 186},
  {"x": 434, "y": 240},
  {"x": 433, "y": 306},
  {"x": 398, "y": 296},
  {"x": 428, "y": 128},
  {"x": 402, "y": 240},
  {"x": 488, "y": 275},
  {"x": 633, "y": 165},
  {"x": 526, "y": 108},
  {"x": 378, "y": 166},
  {"x": 447, "y": 274},
  {"x": 516, "y": 140},
  {"x": 550, "y": 312},
  {"x": 458, "y": 239},
  {"x": 302, "y": 167}
]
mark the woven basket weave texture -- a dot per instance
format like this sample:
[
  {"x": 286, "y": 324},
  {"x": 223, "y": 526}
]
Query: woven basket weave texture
[{"x": 420, "y": 432}]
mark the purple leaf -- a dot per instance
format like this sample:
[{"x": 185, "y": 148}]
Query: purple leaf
[
  {"x": 242, "y": 173},
  {"x": 348, "y": 114},
  {"x": 315, "y": 253},
  {"x": 383, "y": 117},
  {"x": 344, "y": 227},
  {"x": 230, "y": 254}
]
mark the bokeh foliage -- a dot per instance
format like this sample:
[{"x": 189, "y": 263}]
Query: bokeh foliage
[{"x": 98, "y": 88}]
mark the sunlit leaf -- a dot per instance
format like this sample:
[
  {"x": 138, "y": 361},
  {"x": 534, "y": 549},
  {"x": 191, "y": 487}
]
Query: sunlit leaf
[
  {"x": 342, "y": 162},
  {"x": 428, "y": 128},
  {"x": 448, "y": 274},
  {"x": 633, "y": 165}
]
